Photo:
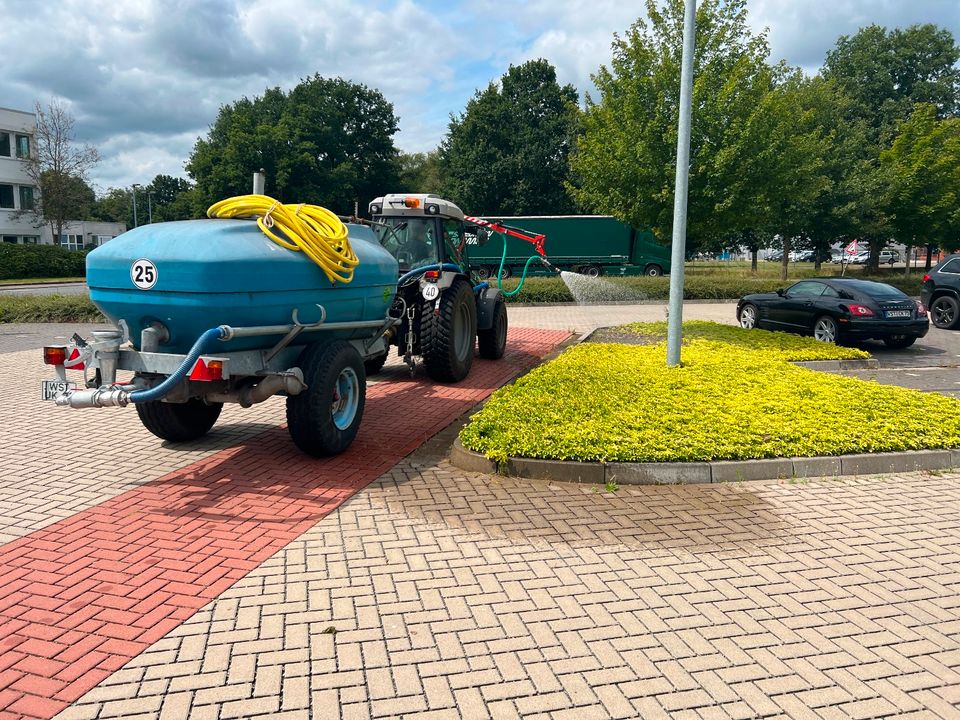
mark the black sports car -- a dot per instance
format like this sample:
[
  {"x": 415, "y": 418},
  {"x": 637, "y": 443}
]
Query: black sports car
[{"x": 836, "y": 309}]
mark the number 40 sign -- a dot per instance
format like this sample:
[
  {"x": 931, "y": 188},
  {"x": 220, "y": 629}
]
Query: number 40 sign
[{"x": 144, "y": 274}]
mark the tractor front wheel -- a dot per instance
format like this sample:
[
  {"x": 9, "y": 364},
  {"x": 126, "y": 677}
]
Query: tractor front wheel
[
  {"x": 493, "y": 342},
  {"x": 448, "y": 333}
]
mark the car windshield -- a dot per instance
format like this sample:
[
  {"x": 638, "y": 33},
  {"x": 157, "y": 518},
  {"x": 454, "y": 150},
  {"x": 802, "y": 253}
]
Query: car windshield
[
  {"x": 412, "y": 241},
  {"x": 880, "y": 291}
]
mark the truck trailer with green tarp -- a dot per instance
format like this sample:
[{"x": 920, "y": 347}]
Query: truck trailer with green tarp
[{"x": 589, "y": 244}]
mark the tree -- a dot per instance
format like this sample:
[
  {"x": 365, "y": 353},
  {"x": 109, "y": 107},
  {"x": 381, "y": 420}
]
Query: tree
[
  {"x": 59, "y": 168},
  {"x": 327, "y": 141},
  {"x": 506, "y": 154},
  {"x": 922, "y": 169},
  {"x": 171, "y": 198},
  {"x": 420, "y": 172},
  {"x": 885, "y": 73},
  {"x": 625, "y": 159}
]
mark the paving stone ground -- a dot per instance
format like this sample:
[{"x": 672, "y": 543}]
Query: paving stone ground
[{"x": 263, "y": 587}]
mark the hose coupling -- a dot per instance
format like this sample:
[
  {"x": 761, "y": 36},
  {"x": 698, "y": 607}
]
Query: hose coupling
[{"x": 105, "y": 396}]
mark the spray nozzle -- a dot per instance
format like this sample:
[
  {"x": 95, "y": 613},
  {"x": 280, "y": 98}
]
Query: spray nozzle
[{"x": 550, "y": 266}]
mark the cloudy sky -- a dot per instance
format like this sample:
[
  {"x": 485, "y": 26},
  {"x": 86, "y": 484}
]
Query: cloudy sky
[{"x": 145, "y": 78}]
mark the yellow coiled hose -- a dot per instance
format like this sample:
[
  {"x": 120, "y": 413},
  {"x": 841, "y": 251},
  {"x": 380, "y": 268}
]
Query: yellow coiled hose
[{"x": 312, "y": 229}]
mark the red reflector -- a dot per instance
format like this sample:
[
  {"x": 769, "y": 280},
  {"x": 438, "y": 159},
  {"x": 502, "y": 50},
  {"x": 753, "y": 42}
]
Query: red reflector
[
  {"x": 860, "y": 311},
  {"x": 926, "y": 277},
  {"x": 431, "y": 274},
  {"x": 55, "y": 355},
  {"x": 207, "y": 371},
  {"x": 75, "y": 355}
]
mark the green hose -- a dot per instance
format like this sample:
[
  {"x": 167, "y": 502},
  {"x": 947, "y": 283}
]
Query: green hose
[{"x": 523, "y": 276}]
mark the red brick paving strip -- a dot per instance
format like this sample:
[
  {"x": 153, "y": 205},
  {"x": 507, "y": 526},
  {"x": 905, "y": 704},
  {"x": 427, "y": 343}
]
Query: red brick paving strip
[{"x": 81, "y": 597}]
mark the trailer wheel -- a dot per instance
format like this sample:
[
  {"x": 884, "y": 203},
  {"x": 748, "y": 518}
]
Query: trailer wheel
[
  {"x": 371, "y": 366},
  {"x": 324, "y": 419},
  {"x": 447, "y": 339},
  {"x": 593, "y": 271},
  {"x": 493, "y": 342},
  {"x": 179, "y": 422},
  {"x": 485, "y": 272},
  {"x": 505, "y": 273},
  {"x": 653, "y": 270}
]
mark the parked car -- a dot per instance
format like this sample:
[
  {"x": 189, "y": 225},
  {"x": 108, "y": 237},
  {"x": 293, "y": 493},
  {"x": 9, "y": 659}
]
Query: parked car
[
  {"x": 838, "y": 309},
  {"x": 775, "y": 256},
  {"x": 941, "y": 292},
  {"x": 887, "y": 257}
]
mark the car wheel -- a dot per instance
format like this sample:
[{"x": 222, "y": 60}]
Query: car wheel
[
  {"x": 748, "y": 316},
  {"x": 899, "y": 342},
  {"x": 825, "y": 329},
  {"x": 944, "y": 312}
]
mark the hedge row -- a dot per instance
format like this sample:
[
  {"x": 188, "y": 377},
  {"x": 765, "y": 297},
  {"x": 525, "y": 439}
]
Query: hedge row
[
  {"x": 40, "y": 261},
  {"x": 639, "y": 289},
  {"x": 77, "y": 308},
  {"x": 48, "y": 308}
]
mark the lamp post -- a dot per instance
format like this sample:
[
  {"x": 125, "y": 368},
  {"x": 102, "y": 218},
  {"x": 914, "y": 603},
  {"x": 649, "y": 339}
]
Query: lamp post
[
  {"x": 675, "y": 318},
  {"x": 135, "y": 186}
]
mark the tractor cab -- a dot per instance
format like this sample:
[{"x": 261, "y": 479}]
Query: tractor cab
[{"x": 419, "y": 229}]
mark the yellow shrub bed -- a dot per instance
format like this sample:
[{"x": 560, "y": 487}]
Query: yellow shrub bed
[{"x": 733, "y": 399}]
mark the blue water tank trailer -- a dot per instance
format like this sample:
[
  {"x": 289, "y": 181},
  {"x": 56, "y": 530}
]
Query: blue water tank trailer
[{"x": 196, "y": 274}]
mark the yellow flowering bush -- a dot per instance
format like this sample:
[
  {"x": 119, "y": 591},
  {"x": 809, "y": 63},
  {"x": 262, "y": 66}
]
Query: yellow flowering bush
[{"x": 729, "y": 401}]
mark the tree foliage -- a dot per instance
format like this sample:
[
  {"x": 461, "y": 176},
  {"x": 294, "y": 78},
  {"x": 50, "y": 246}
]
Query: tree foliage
[
  {"x": 327, "y": 141},
  {"x": 625, "y": 160},
  {"x": 420, "y": 172},
  {"x": 59, "y": 167},
  {"x": 922, "y": 168},
  {"x": 506, "y": 154}
]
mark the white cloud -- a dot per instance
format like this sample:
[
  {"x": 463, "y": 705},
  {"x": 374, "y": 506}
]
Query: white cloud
[{"x": 145, "y": 79}]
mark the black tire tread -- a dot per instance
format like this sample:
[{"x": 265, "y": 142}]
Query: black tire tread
[
  {"x": 179, "y": 422},
  {"x": 309, "y": 420},
  {"x": 437, "y": 337},
  {"x": 489, "y": 343}
]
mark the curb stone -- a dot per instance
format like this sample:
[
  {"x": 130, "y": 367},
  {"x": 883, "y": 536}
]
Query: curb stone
[{"x": 708, "y": 472}]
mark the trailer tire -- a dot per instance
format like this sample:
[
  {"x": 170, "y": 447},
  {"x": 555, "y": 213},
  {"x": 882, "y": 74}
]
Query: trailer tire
[
  {"x": 492, "y": 343},
  {"x": 179, "y": 422},
  {"x": 324, "y": 419},
  {"x": 371, "y": 366},
  {"x": 505, "y": 273},
  {"x": 653, "y": 270},
  {"x": 485, "y": 272},
  {"x": 593, "y": 271},
  {"x": 447, "y": 339}
]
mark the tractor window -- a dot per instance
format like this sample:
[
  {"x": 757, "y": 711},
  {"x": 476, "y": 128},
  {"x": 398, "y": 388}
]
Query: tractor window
[
  {"x": 412, "y": 241},
  {"x": 453, "y": 233}
]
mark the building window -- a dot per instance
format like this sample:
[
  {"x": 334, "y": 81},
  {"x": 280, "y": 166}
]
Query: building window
[
  {"x": 23, "y": 146},
  {"x": 10, "y": 239},
  {"x": 6, "y": 196},
  {"x": 101, "y": 239},
  {"x": 71, "y": 242},
  {"x": 26, "y": 197},
  {"x": 5, "y": 144},
  {"x": 31, "y": 239}
]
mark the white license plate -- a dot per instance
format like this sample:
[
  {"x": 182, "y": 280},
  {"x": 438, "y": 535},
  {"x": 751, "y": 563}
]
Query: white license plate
[
  {"x": 898, "y": 313},
  {"x": 49, "y": 389}
]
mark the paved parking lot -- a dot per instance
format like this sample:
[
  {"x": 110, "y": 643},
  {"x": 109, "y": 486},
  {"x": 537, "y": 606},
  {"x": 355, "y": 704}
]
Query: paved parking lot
[{"x": 236, "y": 578}]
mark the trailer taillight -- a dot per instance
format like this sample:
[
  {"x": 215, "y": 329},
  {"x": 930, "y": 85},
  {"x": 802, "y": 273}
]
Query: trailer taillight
[
  {"x": 207, "y": 370},
  {"x": 55, "y": 354}
]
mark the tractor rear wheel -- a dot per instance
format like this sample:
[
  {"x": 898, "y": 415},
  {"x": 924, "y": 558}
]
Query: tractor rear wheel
[
  {"x": 493, "y": 342},
  {"x": 447, "y": 337},
  {"x": 324, "y": 419},
  {"x": 179, "y": 422}
]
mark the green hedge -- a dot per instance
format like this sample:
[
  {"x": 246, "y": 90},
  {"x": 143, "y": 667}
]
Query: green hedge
[
  {"x": 638, "y": 289},
  {"x": 40, "y": 261},
  {"x": 48, "y": 308}
]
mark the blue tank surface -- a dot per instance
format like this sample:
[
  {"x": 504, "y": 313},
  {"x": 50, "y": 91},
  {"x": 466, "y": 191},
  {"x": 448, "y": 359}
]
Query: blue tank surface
[{"x": 227, "y": 272}]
